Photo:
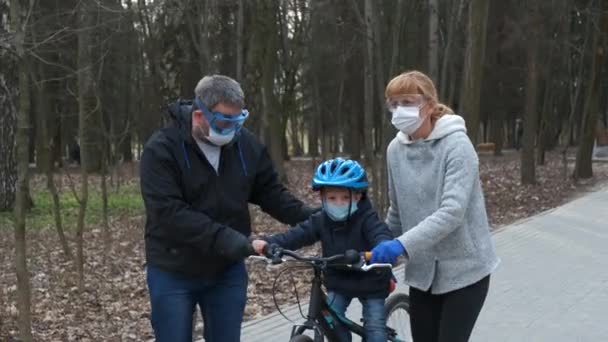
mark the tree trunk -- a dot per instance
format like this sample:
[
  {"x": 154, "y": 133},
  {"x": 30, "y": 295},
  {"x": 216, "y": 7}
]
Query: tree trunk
[
  {"x": 528, "y": 165},
  {"x": 240, "y": 25},
  {"x": 107, "y": 239},
  {"x": 546, "y": 112},
  {"x": 473, "y": 65},
  {"x": 313, "y": 133},
  {"x": 574, "y": 93},
  {"x": 22, "y": 187},
  {"x": 497, "y": 130},
  {"x": 47, "y": 163},
  {"x": 376, "y": 164},
  {"x": 396, "y": 35},
  {"x": 545, "y": 122},
  {"x": 584, "y": 166},
  {"x": 433, "y": 7},
  {"x": 8, "y": 121},
  {"x": 446, "y": 65},
  {"x": 150, "y": 75},
  {"x": 86, "y": 109},
  {"x": 368, "y": 85},
  {"x": 269, "y": 61}
]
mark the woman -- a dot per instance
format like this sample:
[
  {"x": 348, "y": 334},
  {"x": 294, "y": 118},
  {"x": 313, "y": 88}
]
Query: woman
[{"x": 437, "y": 213}]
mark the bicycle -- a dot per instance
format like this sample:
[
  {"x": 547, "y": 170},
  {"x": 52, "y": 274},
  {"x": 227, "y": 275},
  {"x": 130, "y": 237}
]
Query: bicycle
[{"x": 321, "y": 317}]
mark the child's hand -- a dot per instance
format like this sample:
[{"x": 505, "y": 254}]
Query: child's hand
[{"x": 259, "y": 245}]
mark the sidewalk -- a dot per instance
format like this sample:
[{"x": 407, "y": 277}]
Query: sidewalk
[{"x": 552, "y": 284}]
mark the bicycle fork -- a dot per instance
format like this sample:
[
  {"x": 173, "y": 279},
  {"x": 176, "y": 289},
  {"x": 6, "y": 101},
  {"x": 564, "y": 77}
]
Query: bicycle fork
[{"x": 317, "y": 319}]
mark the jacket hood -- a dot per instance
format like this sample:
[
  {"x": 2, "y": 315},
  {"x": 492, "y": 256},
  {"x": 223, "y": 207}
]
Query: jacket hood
[{"x": 181, "y": 114}]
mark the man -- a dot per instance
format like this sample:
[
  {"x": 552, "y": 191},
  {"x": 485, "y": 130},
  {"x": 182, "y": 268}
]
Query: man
[{"x": 197, "y": 177}]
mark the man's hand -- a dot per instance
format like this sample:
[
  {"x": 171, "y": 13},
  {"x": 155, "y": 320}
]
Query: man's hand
[
  {"x": 259, "y": 246},
  {"x": 233, "y": 245}
]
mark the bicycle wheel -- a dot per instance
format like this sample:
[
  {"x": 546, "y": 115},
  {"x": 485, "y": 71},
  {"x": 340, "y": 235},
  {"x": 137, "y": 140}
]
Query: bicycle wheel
[
  {"x": 301, "y": 338},
  {"x": 397, "y": 309}
]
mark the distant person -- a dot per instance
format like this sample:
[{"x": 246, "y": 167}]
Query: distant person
[
  {"x": 74, "y": 153},
  {"x": 519, "y": 133}
]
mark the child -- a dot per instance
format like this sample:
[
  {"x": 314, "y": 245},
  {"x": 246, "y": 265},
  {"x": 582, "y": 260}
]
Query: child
[{"x": 347, "y": 221}]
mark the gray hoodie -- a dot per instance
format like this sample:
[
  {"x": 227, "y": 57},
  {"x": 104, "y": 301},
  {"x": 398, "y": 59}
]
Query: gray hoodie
[{"x": 437, "y": 208}]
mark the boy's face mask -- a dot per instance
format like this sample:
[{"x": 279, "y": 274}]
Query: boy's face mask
[{"x": 339, "y": 213}]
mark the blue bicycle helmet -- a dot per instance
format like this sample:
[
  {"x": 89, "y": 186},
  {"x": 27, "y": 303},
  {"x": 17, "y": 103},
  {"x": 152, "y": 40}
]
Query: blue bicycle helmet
[{"x": 340, "y": 172}]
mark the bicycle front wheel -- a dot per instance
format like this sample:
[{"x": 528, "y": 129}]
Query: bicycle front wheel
[
  {"x": 301, "y": 338},
  {"x": 397, "y": 309}
]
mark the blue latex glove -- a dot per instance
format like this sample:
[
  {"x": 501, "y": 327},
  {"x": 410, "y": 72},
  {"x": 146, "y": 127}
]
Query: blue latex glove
[{"x": 387, "y": 252}]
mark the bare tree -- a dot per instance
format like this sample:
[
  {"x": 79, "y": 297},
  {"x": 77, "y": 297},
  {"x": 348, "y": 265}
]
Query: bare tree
[
  {"x": 528, "y": 164},
  {"x": 448, "y": 62},
  {"x": 19, "y": 22},
  {"x": 8, "y": 165},
  {"x": 240, "y": 28},
  {"x": 267, "y": 40},
  {"x": 46, "y": 160},
  {"x": 368, "y": 85},
  {"x": 576, "y": 75},
  {"x": 86, "y": 110},
  {"x": 584, "y": 166},
  {"x": 473, "y": 64},
  {"x": 433, "y": 8}
]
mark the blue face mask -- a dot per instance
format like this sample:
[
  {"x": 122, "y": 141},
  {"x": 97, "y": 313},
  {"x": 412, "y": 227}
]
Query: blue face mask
[{"x": 339, "y": 212}]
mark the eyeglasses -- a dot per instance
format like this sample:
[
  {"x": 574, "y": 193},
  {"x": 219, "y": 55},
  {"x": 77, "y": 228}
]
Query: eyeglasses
[
  {"x": 223, "y": 123},
  {"x": 406, "y": 100}
]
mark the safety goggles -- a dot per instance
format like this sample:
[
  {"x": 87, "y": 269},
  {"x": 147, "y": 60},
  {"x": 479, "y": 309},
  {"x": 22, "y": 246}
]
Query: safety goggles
[
  {"x": 406, "y": 100},
  {"x": 221, "y": 123}
]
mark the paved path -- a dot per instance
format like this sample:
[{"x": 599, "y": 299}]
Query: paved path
[{"x": 552, "y": 284}]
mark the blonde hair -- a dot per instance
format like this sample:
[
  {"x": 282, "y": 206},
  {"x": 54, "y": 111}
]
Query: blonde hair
[{"x": 415, "y": 82}]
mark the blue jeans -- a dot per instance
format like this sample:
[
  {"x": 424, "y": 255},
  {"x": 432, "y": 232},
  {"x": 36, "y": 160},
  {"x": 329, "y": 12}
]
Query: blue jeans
[
  {"x": 221, "y": 300},
  {"x": 374, "y": 317}
]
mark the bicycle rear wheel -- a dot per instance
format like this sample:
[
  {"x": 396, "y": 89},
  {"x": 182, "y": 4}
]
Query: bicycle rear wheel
[{"x": 397, "y": 309}]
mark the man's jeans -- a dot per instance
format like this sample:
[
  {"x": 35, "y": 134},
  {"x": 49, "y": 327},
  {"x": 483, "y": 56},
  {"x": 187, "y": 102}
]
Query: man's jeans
[
  {"x": 374, "y": 317},
  {"x": 174, "y": 298}
]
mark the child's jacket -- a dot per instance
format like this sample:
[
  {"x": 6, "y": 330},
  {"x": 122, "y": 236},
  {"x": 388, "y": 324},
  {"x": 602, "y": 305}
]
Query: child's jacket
[{"x": 361, "y": 231}]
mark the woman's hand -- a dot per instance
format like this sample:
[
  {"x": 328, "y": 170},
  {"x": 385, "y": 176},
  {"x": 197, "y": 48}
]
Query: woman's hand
[
  {"x": 387, "y": 252},
  {"x": 259, "y": 246}
]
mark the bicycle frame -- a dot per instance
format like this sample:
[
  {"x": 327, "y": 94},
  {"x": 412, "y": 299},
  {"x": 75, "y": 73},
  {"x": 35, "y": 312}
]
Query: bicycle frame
[{"x": 322, "y": 318}]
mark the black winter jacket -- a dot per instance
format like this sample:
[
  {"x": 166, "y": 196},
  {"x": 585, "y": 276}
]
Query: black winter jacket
[
  {"x": 189, "y": 206},
  {"x": 362, "y": 231}
]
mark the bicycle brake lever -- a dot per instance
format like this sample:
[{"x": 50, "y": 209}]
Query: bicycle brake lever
[
  {"x": 258, "y": 257},
  {"x": 372, "y": 266}
]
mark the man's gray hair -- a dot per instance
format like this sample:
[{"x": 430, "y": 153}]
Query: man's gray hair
[{"x": 219, "y": 88}]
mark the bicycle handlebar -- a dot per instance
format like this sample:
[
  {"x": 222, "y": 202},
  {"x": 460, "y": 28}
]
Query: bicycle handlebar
[
  {"x": 351, "y": 258},
  {"x": 301, "y": 257}
]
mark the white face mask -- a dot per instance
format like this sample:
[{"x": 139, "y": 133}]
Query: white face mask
[
  {"x": 407, "y": 119},
  {"x": 219, "y": 139}
]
